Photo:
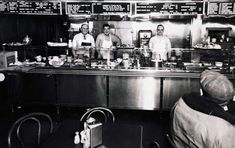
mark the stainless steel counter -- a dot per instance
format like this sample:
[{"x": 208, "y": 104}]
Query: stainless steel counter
[
  {"x": 153, "y": 72},
  {"x": 144, "y": 88}
]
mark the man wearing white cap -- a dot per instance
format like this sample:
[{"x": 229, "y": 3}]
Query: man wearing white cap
[
  {"x": 206, "y": 120},
  {"x": 83, "y": 42}
]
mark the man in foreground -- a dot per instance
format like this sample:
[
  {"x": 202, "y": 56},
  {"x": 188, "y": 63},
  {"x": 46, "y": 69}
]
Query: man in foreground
[{"x": 206, "y": 120}]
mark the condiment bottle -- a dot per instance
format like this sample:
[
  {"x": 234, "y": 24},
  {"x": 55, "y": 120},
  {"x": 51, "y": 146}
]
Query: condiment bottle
[{"x": 76, "y": 138}]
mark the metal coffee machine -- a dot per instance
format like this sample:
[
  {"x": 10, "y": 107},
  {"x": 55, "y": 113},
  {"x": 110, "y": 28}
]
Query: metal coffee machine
[{"x": 144, "y": 37}]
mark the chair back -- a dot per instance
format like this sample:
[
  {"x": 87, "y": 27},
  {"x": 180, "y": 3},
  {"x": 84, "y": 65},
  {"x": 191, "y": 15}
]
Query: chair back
[
  {"x": 169, "y": 139},
  {"x": 104, "y": 111},
  {"x": 33, "y": 120}
]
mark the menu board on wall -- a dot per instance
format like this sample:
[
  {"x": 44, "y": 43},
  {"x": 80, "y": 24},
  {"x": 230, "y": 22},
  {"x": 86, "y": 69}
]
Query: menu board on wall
[
  {"x": 221, "y": 8},
  {"x": 112, "y": 8},
  {"x": 3, "y": 7},
  {"x": 172, "y": 8},
  {"x": 75, "y": 8},
  {"x": 31, "y": 7}
]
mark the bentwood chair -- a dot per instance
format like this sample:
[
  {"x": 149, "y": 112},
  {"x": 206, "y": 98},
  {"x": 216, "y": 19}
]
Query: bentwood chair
[
  {"x": 155, "y": 144},
  {"x": 30, "y": 130},
  {"x": 171, "y": 142},
  {"x": 104, "y": 111}
]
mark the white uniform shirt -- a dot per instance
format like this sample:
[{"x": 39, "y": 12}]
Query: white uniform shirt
[
  {"x": 160, "y": 46},
  {"x": 106, "y": 47},
  {"x": 80, "y": 39}
]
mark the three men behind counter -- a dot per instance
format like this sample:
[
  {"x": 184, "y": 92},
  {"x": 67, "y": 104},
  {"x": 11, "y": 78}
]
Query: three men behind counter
[{"x": 106, "y": 42}]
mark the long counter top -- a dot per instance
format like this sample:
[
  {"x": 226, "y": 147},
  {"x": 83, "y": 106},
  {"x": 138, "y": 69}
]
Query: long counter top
[{"x": 143, "y": 71}]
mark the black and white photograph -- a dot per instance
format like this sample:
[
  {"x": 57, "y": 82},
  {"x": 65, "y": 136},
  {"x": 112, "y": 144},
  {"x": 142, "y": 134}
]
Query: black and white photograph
[{"x": 117, "y": 73}]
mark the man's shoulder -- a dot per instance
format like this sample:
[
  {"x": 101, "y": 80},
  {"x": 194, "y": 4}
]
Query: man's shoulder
[
  {"x": 100, "y": 35},
  {"x": 78, "y": 35},
  {"x": 90, "y": 35},
  {"x": 166, "y": 38},
  {"x": 156, "y": 37}
]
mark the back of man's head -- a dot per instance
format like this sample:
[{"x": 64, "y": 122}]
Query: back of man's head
[{"x": 217, "y": 86}]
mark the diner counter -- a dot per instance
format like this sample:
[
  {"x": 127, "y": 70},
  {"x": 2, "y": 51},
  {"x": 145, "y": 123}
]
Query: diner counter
[
  {"x": 142, "y": 71},
  {"x": 145, "y": 88},
  {"x": 152, "y": 72}
]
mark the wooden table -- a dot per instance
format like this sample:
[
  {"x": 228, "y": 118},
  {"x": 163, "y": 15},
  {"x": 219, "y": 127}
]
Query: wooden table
[{"x": 114, "y": 136}]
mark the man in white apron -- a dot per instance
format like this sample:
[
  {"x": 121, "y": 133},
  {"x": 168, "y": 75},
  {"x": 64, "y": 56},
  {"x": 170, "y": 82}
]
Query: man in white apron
[
  {"x": 105, "y": 43},
  {"x": 83, "y": 42},
  {"x": 160, "y": 45}
]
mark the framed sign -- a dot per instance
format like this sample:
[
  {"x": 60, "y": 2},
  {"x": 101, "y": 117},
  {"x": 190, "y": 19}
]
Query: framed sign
[
  {"x": 86, "y": 8},
  {"x": 172, "y": 8},
  {"x": 114, "y": 8},
  {"x": 3, "y": 7},
  {"x": 76, "y": 8},
  {"x": 31, "y": 7},
  {"x": 221, "y": 8}
]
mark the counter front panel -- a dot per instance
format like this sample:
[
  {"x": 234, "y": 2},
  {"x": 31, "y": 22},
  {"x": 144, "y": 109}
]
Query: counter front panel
[
  {"x": 174, "y": 88},
  {"x": 81, "y": 90},
  {"x": 144, "y": 89},
  {"x": 134, "y": 92}
]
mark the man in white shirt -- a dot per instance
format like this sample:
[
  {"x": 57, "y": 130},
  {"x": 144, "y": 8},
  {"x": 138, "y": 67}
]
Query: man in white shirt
[
  {"x": 160, "y": 45},
  {"x": 105, "y": 42},
  {"x": 83, "y": 42}
]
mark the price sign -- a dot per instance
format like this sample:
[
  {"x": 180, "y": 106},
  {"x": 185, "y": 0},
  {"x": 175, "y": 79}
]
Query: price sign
[
  {"x": 3, "y": 7},
  {"x": 44, "y": 8},
  {"x": 221, "y": 8},
  {"x": 112, "y": 8},
  {"x": 12, "y": 7},
  {"x": 31, "y": 7},
  {"x": 172, "y": 8},
  {"x": 76, "y": 8}
]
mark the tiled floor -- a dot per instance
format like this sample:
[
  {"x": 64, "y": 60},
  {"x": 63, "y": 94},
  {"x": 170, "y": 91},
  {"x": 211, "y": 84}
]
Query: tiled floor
[{"x": 155, "y": 125}]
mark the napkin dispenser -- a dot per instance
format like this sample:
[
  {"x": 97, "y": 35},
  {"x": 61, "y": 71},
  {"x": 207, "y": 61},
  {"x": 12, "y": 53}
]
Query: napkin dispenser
[{"x": 91, "y": 136}]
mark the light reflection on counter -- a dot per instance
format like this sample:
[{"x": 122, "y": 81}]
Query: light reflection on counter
[{"x": 148, "y": 92}]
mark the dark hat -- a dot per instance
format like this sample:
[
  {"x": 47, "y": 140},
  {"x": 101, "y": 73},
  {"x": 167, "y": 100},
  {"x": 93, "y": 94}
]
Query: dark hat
[{"x": 217, "y": 86}]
